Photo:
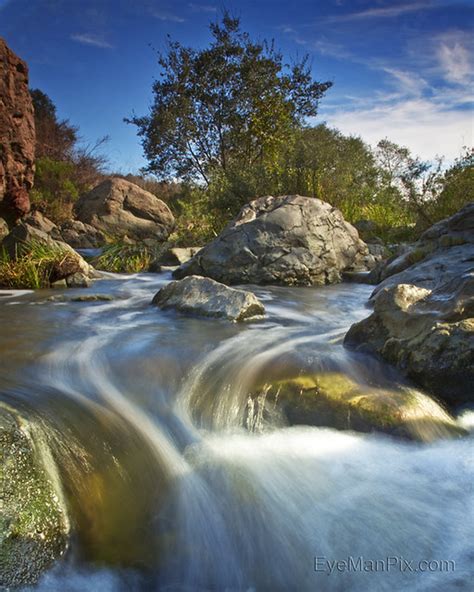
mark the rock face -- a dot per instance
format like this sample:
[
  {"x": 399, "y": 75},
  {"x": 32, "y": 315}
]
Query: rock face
[
  {"x": 206, "y": 297},
  {"x": 429, "y": 334},
  {"x": 444, "y": 252},
  {"x": 334, "y": 400},
  {"x": 34, "y": 528},
  {"x": 17, "y": 135},
  {"x": 119, "y": 208},
  {"x": 290, "y": 240}
]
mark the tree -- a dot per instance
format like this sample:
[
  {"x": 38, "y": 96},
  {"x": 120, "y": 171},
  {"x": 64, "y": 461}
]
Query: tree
[
  {"x": 64, "y": 167},
  {"x": 225, "y": 107},
  {"x": 54, "y": 139},
  {"x": 326, "y": 164},
  {"x": 408, "y": 179}
]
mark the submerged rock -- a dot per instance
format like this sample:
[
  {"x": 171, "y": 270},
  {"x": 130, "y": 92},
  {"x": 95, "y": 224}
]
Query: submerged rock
[
  {"x": 34, "y": 527},
  {"x": 428, "y": 334},
  {"x": 119, "y": 208},
  {"x": 206, "y": 297},
  {"x": 290, "y": 240},
  {"x": 334, "y": 400}
]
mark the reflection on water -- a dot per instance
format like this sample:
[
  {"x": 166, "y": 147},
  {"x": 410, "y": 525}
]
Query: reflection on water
[{"x": 145, "y": 415}]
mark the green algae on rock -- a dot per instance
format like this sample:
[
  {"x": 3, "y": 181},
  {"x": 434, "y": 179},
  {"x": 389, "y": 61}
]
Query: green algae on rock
[
  {"x": 333, "y": 399},
  {"x": 34, "y": 527}
]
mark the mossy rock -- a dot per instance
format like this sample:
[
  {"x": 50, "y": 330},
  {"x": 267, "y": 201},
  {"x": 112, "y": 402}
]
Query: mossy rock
[
  {"x": 33, "y": 525},
  {"x": 333, "y": 399}
]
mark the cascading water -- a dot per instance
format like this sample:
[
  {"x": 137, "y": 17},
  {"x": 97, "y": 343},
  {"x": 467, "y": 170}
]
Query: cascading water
[{"x": 176, "y": 481}]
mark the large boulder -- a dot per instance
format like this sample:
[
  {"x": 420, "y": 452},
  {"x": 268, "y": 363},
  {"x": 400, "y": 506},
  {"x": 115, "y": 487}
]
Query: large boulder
[
  {"x": 332, "y": 399},
  {"x": 206, "y": 297},
  {"x": 444, "y": 252},
  {"x": 34, "y": 526},
  {"x": 17, "y": 135},
  {"x": 428, "y": 334},
  {"x": 119, "y": 208},
  {"x": 290, "y": 240}
]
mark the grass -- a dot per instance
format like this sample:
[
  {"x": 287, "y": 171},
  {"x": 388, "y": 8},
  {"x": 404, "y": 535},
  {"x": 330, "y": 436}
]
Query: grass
[
  {"x": 34, "y": 266},
  {"x": 120, "y": 257}
]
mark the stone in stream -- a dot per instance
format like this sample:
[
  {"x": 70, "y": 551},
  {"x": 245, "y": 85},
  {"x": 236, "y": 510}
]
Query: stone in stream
[
  {"x": 334, "y": 400},
  {"x": 206, "y": 297},
  {"x": 423, "y": 319},
  {"x": 428, "y": 334},
  {"x": 34, "y": 527},
  {"x": 289, "y": 240},
  {"x": 117, "y": 207}
]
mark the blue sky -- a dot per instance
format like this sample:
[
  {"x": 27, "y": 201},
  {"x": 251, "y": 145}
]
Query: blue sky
[{"x": 401, "y": 69}]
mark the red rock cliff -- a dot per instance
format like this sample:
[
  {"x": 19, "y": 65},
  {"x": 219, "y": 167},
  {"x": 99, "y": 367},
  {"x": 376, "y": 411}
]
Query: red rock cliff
[{"x": 17, "y": 135}]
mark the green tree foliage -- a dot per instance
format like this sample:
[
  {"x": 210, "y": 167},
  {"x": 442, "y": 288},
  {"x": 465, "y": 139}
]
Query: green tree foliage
[
  {"x": 229, "y": 106},
  {"x": 64, "y": 167},
  {"x": 457, "y": 186}
]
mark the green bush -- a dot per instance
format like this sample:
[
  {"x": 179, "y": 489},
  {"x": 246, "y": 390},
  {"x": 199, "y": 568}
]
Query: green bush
[{"x": 55, "y": 191}]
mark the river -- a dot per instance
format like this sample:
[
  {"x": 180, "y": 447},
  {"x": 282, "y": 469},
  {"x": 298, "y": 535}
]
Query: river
[{"x": 147, "y": 412}]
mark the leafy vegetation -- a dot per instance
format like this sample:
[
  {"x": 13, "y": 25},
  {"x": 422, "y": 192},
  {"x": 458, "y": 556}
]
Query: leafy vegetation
[{"x": 35, "y": 265}]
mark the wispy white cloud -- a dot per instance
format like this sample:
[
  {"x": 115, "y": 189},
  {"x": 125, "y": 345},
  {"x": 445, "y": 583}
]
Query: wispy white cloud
[
  {"x": 380, "y": 12},
  {"x": 455, "y": 57},
  {"x": 428, "y": 128},
  {"x": 91, "y": 39},
  {"x": 163, "y": 15},
  {"x": 202, "y": 7}
]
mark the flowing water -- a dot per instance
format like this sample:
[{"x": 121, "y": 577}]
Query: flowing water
[{"x": 175, "y": 482}]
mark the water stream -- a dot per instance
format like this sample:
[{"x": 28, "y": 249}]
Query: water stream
[{"x": 173, "y": 485}]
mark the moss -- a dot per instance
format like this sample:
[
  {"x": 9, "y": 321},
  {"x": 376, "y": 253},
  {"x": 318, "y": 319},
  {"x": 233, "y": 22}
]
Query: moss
[
  {"x": 335, "y": 400},
  {"x": 33, "y": 525}
]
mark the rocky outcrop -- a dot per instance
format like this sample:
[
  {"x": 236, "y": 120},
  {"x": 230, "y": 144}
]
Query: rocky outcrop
[
  {"x": 429, "y": 334},
  {"x": 290, "y": 240},
  {"x": 206, "y": 297},
  {"x": 17, "y": 135},
  {"x": 423, "y": 319},
  {"x": 34, "y": 527},
  {"x": 119, "y": 208},
  {"x": 444, "y": 252},
  {"x": 334, "y": 400}
]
